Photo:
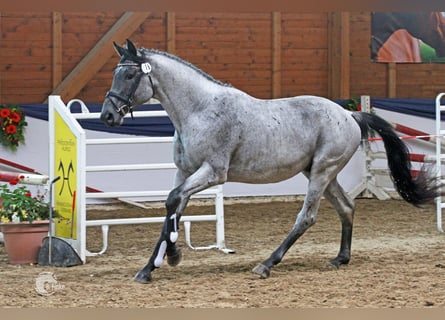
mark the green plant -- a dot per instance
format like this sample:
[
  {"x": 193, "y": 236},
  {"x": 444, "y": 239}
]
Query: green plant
[
  {"x": 12, "y": 126},
  {"x": 18, "y": 205},
  {"x": 352, "y": 105}
]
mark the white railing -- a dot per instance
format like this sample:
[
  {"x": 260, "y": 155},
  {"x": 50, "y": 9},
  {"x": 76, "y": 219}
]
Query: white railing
[
  {"x": 56, "y": 105},
  {"x": 440, "y": 133}
]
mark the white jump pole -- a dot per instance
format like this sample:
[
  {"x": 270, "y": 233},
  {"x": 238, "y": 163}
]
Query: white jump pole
[{"x": 23, "y": 178}]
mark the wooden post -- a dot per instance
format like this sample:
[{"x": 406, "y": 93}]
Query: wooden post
[
  {"x": 56, "y": 49},
  {"x": 99, "y": 55},
  {"x": 338, "y": 55},
  {"x": 276, "y": 54},
  {"x": 1, "y": 65},
  {"x": 392, "y": 79},
  {"x": 171, "y": 32}
]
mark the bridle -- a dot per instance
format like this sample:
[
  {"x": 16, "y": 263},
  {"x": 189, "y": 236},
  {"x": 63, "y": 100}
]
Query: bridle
[{"x": 145, "y": 70}]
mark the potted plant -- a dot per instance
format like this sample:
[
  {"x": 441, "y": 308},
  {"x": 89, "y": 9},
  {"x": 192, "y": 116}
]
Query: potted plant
[{"x": 24, "y": 223}]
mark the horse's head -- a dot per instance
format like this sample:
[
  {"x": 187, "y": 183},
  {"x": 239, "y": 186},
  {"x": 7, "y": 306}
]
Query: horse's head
[{"x": 132, "y": 85}]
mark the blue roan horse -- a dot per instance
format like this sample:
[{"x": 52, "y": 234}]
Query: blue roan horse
[{"x": 223, "y": 134}]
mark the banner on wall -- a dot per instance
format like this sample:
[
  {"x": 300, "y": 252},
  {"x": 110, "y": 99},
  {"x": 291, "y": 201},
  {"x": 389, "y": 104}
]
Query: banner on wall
[
  {"x": 65, "y": 155},
  {"x": 408, "y": 37}
]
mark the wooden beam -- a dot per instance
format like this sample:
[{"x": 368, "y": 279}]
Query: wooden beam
[
  {"x": 1, "y": 66},
  {"x": 276, "y": 54},
  {"x": 171, "y": 32},
  {"x": 338, "y": 55},
  {"x": 95, "y": 59},
  {"x": 56, "y": 49},
  {"x": 392, "y": 79}
]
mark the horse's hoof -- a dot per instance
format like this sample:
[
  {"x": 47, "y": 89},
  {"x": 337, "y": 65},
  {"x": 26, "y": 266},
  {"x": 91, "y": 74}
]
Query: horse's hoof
[
  {"x": 175, "y": 259},
  {"x": 332, "y": 265},
  {"x": 142, "y": 277},
  {"x": 262, "y": 271},
  {"x": 336, "y": 262}
]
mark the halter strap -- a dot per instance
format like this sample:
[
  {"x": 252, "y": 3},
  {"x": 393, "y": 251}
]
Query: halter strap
[{"x": 145, "y": 69}]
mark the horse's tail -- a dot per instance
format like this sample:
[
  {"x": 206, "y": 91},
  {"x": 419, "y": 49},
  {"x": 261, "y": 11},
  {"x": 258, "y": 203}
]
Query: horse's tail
[{"x": 419, "y": 190}]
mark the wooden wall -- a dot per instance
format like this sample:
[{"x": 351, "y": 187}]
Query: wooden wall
[{"x": 265, "y": 54}]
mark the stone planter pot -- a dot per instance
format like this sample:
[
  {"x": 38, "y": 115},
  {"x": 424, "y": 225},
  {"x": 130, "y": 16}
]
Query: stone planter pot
[{"x": 23, "y": 240}]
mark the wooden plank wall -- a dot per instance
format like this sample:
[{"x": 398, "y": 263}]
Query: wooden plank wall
[
  {"x": 25, "y": 51},
  {"x": 265, "y": 54},
  {"x": 233, "y": 48}
]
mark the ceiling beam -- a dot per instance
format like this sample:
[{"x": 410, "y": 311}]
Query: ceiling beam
[{"x": 96, "y": 58}]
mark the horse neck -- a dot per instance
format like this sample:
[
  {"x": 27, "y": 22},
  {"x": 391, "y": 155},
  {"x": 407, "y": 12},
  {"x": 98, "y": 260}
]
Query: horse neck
[{"x": 182, "y": 90}]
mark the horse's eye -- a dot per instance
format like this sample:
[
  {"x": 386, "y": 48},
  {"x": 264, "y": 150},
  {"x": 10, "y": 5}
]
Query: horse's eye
[{"x": 129, "y": 76}]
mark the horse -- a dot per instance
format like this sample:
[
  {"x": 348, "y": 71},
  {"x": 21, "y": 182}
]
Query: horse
[{"x": 223, "y": 134}]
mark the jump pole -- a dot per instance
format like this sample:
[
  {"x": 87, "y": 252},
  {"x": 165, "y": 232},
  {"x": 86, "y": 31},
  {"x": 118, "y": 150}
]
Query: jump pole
[
  {"x": 23, "y": 178},
  {"x": 413, "y": 157},
  {"x": 18, "y": 166},
  {"x": 413, "y": 132}
]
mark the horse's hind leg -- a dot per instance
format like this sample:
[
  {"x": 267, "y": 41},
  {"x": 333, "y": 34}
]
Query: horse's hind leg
[
  {"x": 305, "y": 218},
  {"x": 344, "y": 205}
]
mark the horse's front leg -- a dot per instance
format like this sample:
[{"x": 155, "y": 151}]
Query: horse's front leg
[
  {"x": 177, "y": 200},
  {"x": 157, "y": 258}
]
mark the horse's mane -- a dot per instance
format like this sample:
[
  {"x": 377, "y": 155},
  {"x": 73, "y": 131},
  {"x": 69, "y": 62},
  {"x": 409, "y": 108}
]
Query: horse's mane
[{"x": 146, "y": 51}]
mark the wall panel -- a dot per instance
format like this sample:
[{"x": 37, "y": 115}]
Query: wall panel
[{"x": 232, "y": 47}]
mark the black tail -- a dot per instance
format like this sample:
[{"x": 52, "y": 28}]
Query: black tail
[{"x": 420, "y": 190}]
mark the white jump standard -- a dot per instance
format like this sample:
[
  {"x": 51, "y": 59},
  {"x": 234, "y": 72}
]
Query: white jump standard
[{"x": 64, "y": 123}]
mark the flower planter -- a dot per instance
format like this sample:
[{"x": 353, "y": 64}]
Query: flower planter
[{"x": 23, "y": 240}]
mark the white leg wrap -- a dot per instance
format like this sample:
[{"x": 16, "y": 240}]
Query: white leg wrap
[
  {"x": 173, "y": 237},
  {"x": 174, "y": 233},
  {"x": 160, "y": 257}
]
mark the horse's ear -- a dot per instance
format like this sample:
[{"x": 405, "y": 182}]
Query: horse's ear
[
  {"x": 120, "y": 50},
  {"x": 132, "y": 48}
]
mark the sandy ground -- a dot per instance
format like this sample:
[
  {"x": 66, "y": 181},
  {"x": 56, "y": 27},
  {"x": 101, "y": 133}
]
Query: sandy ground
[{"x": 398, "y": 260}]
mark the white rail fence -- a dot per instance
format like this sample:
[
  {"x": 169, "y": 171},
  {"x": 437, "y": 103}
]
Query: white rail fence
[{"x": 58, "y": 111}]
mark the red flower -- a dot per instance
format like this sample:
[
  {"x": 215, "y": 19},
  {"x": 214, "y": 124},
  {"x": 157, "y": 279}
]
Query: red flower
[
  {"x": 4, "y": 113},
  {"x": 28, "y": 194},
  {"x": 15, "y": 117},
  {"x": 11, "y": 129}
]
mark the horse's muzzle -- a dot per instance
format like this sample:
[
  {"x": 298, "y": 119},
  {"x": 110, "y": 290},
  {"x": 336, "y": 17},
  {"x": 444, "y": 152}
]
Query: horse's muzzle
[{"x": 110, "y": 119}]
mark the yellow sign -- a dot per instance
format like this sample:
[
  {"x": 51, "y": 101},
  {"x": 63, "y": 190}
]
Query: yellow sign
[{"x": 65, "y": 167}]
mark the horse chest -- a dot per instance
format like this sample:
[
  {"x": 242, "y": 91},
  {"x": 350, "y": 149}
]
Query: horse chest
[{"x": 190, "y": 152}]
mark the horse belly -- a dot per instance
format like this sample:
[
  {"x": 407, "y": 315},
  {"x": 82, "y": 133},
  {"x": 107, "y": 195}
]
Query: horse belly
[
  {"x": 262, "y": 176},
  {"x": 267, "y": 168}
]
